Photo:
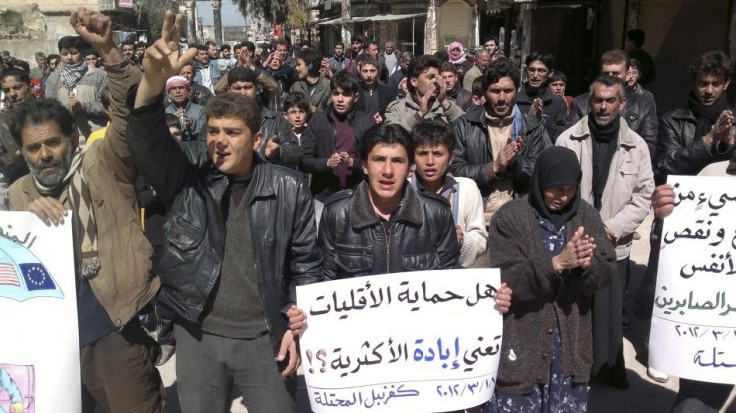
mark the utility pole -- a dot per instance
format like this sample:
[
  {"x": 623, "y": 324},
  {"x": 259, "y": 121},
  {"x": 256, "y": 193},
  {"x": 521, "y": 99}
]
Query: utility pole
[
  {"x": 347, "y": 25},
  {"x": 217, "y": 12},
  {"x": 191, "y": 22}
]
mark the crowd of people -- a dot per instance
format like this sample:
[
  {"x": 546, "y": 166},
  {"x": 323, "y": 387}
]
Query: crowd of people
[{"x": 262, "y": 168}]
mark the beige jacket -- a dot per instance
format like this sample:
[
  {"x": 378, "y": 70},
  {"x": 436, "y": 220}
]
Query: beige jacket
[
  {"x": 626, "y": 197},
  {"x": 403, "y": 112},
  {"x": 125, "y": 282}
]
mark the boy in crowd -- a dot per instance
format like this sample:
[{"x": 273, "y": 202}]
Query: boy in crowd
[
  {"x": 374, "y": 96},
  {"x": 330, "y": 142},
  {"x": 296, "y": 112},
  {"x": 434, "y": 151},
  {"x": 557, "y": 84}
]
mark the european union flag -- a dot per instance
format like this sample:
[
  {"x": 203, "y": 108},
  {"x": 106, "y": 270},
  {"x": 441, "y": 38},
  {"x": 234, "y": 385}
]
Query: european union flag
[
  {"x": 36, "y": 277},
  {"x": 22, "y": 275}
]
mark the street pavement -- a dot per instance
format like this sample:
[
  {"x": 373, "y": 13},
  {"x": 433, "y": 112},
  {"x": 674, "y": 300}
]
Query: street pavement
[{"x": 644, "y": 395}]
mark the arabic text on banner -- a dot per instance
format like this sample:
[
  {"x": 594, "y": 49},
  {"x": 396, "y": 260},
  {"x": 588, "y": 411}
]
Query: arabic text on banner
[
  {"x": 694, "y": 318},
  {"x": 406, "y": 342}
]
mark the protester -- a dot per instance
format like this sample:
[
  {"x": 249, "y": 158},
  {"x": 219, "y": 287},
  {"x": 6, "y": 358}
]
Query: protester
[
  {"x": 617, "y": 181},
  {"x": 190, "y": 113},
  {"x": 434, "y": 151},
  {"x": 296, "y": 112},
  {"x": 78, "y": 87},
  {"x": 497, "y": 145},
  {"x": 534, "y": 97},
  {"x": 330, "y": 143},
  {"x": 311, "y": 83},
  {"x": 226, "y": 207},
  {"x": 552, "y": 251},
  {"x": 427, "y": 98},
  {"x": 374, "y": 97},
  {"x": 114, "y": 274}
]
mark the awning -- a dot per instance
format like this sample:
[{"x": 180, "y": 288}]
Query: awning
[{"x": 380, "y": 17}]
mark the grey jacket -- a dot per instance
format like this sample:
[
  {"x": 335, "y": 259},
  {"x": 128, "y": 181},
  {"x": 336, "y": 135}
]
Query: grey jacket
[
  {"x": 626, "y": 197},
  {"x": 89, "y": 91},
  {"x": 320, "y": 94},
  {"x": 196, "y": 114}
]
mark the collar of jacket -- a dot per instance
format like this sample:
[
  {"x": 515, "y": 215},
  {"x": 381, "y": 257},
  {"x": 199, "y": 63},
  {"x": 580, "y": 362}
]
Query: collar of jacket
[
  {"x": 363, "y": 215},
  {"x": 581, "y": 131},
  {"x": 186, "y": 107},
  {"x": 267, "y": 113},
  {"x": 685, "y": 114},
  {"x": 478, "y": 117},
  {"x": 32, "y": 193},
  {"x": 522, "y": 97},
  {"x": 330, "y": 112},
  {"x": 261, "y": 172},
  {"x": 409, "y": 101}
]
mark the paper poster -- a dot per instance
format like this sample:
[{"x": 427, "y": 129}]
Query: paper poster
[
  {"x": 694, "y": 319},
  {"x": 425, "y": 341},
  {"x": 39, "y": 352}
]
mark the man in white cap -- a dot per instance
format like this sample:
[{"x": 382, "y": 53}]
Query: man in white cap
[{"x": 190, "y": 114}]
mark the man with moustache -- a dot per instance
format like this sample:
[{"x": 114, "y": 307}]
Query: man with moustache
[{"x": 618, "y": 182}]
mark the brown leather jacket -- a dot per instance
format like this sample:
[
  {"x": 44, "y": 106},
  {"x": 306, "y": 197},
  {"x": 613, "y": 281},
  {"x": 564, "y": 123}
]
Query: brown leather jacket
[{"x": 125, "y": 282}]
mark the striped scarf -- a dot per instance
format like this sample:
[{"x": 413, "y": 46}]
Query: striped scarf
[
  {"x": 84, "y": 224},
  {"x": 70, "y": 74}
]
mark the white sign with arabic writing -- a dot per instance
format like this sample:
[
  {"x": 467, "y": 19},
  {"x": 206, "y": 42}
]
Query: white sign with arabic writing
[
  {"x": 425, "y": 341},
  {"x": 694, "y": 318},
  {"x": 39, "y": 350}
]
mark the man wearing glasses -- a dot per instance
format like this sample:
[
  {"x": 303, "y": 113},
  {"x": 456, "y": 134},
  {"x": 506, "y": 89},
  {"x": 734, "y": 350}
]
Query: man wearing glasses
[{"x": 535, "y": 98}]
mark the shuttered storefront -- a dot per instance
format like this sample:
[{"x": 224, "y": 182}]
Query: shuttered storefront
[
  {"x": 455, "y": 21},
  {"x": 677, "y": 31}
]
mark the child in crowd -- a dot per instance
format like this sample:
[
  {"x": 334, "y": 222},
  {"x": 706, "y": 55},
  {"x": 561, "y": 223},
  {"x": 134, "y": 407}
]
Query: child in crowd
[
  {"x": 557, "y": 84},
  {"x": 434, "y": 151},
  {"x": 296, "y": 112}
]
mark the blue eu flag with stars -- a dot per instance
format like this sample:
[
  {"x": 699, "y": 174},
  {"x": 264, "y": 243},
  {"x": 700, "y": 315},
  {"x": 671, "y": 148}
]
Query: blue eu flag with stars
[{"x": 36, "y": 277}]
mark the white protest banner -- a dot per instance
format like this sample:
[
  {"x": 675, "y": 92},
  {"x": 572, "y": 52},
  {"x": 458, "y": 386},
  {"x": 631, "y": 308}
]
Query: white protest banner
[
  {"x": 694, "y": 319},
  {"x": 425, "y": 341},
  {"x": 39, "y": 352}
]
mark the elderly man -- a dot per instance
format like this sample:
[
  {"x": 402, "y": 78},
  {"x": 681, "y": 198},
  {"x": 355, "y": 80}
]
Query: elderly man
[
  {"x": 482, "y": 58},
  {"x": 639, "y": 113},
  {"x": 113, "y": 269},
  {"x": 390, "y": 57},
  {"x": 618, "y": 181},
  {"x": 190, "y": 113}
]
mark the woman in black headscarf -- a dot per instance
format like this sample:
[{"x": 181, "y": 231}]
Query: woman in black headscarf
[{"x": 553, "y": 252}]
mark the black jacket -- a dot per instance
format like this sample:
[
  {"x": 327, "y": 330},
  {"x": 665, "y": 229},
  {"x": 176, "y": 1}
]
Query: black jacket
[
  {"x": 202, "y": 95},
  {"x": 385, "y": 96},
  {"x": 640, "y": 114},
  {"x": 678, "y": 153},
  {"x": 354, "y": 242},
  {"x": 281, "y": 218},
  {"x": 318, "y": 144},
  {"x": 273, "y": 124},
  {"x": 462, "y": 97},
  {"x": 473, "y": 151},
  {"x": 554, "y": 113}
]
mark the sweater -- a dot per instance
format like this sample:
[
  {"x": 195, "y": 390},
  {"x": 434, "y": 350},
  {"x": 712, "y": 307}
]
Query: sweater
[{"x": 543, "y": 298}]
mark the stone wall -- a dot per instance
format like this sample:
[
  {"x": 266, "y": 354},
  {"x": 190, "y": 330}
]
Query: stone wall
[{"x": 25, "y": 30}]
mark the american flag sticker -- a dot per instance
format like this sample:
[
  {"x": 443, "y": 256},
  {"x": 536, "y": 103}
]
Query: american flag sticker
[{"x": 8, "y": 275}]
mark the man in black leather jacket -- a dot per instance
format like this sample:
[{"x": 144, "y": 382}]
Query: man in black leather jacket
[
  {"x": 240, "y": 235},
  {"x": 501, "y": 169},
  {"x": 690, "y": 138},
  {"x": 640, "y": 113},
  {"x": 385, "y": 225}
]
